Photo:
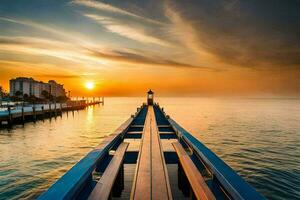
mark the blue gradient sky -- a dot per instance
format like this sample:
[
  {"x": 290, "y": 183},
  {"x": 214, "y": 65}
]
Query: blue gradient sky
[{"x": 205, "y": 47}]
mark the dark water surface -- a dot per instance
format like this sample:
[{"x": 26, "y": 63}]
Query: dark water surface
[{"x": 259, "y": 138}]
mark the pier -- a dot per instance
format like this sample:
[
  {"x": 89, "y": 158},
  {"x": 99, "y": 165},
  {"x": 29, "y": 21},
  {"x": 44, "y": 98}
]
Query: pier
[
  {"x": 150, "y": 156},
  {"x": 16, "y": 114}
]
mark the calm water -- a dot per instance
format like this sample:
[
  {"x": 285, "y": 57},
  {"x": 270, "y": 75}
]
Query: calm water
[{"x": 259, "y": 138}]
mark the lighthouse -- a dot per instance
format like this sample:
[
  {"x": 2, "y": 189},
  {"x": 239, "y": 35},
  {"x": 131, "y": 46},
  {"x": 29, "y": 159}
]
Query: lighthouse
[{"x": 150, "y": 97}]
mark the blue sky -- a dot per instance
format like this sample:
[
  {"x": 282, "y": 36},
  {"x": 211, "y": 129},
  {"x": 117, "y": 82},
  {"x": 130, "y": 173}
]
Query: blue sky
[{"x": 198, "y": 47}]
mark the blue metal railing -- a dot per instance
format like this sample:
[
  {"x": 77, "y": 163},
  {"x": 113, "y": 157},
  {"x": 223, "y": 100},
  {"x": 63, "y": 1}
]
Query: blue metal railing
[
  {"x": 74, "y": 180},
  {"x": 234, "y": 184},
  {"x": 71, "y": 183}
]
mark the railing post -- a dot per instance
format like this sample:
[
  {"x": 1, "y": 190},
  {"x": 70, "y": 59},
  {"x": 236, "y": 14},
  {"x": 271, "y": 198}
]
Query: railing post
[
  {"x": 119, "y": 183},
  {"x": 183, "y": 183}
]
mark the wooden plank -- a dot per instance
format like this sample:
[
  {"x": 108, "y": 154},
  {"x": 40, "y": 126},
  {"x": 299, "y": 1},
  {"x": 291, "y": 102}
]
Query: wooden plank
[
  {"x": 166, "y": 132},
  {"x": 137, "y": 126},
  {"x": 142, "y": 179},
  {"x": 164, "y": 126},
  {"x": 151, "y": 178},
  {"x": 134, "y": 132},
  {"x": 196, "y": 180},
  {"x": 160, "y": 180},
  {"x": 104, "y": 186}
]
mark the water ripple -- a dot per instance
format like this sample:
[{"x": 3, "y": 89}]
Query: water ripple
[{"x": 257, "y": 138}]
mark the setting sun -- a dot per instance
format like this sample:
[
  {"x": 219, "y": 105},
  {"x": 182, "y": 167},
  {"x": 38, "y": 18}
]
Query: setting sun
[{"x": 89, "y": 85}]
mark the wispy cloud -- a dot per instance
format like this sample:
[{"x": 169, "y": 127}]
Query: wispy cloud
[
  {"x": 54, "y": 76},
  {"x": 34, "y": 25},
  {"x": 132, "y": 58},
  {"x": 38, "y": 47},
  {"x": 109, "y": 8},
  {"x": 33, "y": 41},
  {"x": 55, "y": 31},
  {"x": 129, "y": 31},
  {"x": 184, "y": 32},
  {"x": 85, "y": 56},
  {"x": 225, "y": 40}
]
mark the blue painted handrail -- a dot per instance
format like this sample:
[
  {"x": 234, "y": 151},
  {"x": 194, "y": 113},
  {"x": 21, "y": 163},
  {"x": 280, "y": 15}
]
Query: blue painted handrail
[
  {"x": 68, "y": 186},
  {"x": 234, "y": 184}
]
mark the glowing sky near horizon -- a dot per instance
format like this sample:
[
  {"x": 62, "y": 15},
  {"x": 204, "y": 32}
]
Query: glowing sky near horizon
[{"x": 205, "y": 47}]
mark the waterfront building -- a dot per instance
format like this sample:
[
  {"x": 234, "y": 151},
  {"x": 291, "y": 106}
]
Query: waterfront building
[
  {"x": 28, "y": 86},
  {"x": 56, "y": 89}
]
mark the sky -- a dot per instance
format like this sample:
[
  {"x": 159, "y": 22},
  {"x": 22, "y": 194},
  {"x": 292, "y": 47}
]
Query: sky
[{"x": 174, "y": 47}]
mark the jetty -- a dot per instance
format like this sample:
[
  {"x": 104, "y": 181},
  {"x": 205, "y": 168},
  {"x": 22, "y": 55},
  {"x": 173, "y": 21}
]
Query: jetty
[
  {"x": 150, "y": 156},
  {"x": 21, "y": 113}
]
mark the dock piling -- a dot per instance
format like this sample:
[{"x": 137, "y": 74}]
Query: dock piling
[
  {"x": 55, "y": 111},
  {"x": 9, "y": 116},
  {"x": 50, "y": 110},
  {"x": 23, "y": 117},
  {"x": 43, "y": 113},
  {"x": 34, "y": 113},
  {"x": 60, "y": 112}
]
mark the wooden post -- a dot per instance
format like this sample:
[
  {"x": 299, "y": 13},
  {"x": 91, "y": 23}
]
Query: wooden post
[
  {"x": 23, "y": 117},
  {"x": 55, "y": 111},
  {"x": 102, "y": 100},
  {"x": 9, "y": 116},
  {"x": 43, "y": 113},
  {"x": 60, "y": 109},
  {"x": 34, "y": 113},
  {"x": 50, "y": 114}
]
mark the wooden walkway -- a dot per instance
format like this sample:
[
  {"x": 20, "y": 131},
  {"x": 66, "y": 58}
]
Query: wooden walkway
[
  {"x": 17, "y": 114},
  {"x": 151, "y": 178}
]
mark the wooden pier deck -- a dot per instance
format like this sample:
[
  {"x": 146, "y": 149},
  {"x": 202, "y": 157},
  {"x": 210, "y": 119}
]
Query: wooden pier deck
[
  {"x": 148, "y": 157},
  {"x": 151, "y": 179}
]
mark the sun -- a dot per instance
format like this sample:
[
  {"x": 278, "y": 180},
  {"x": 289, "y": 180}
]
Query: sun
[{"x": 89, "y": 85}]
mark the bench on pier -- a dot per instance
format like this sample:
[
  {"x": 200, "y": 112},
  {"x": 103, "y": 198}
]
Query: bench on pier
[
  {"x": 109, "y": 182},
  {"x": 196, "y": 181},
  {"x": 151, "y": 179}
]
